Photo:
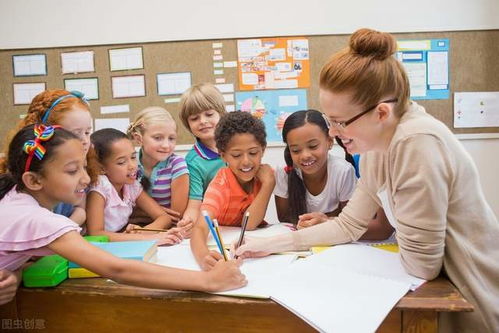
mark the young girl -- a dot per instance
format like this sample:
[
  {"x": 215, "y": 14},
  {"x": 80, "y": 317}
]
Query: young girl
[
  {"x": 71, "y": 111},
  {"x": 111, "y": 199},
  {"x": 314, "y": 180},
  {"x": 46, "y": 165},
  {"x": 245, "y": 185},
  {"x": 164, "y": 175},
  {"x": 201, "y": 108}
]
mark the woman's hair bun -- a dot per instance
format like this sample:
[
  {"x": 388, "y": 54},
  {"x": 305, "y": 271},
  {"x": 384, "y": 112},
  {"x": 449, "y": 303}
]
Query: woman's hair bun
[{"x": 371, "y": 43}]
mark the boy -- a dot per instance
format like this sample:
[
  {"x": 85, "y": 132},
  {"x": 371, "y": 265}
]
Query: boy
[
  {"x": 245, "y": 185},
  {"x": 201, "y": 107}
]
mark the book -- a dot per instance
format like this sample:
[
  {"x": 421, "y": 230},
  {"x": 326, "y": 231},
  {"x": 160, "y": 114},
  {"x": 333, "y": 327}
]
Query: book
[{"x": 135, "y": 250}]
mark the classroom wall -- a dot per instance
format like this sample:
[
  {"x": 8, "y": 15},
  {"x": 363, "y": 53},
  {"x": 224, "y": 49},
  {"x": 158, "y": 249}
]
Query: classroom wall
[{"x": 54, "y": 23}]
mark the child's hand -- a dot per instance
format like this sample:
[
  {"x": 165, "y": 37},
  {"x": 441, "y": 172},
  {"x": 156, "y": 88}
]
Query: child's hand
[
  {"x": 168, "y": 238},
  {"x": 253, "y": 248},
  {"x": 310, "y": 219},
  {"x": 8, "y": 285},
  {"x": 186, "y": 224},
  {"x": 174, "y": 215},
  {"x": 132, "y": 229},
  {"x": 179, "y": 232},
  {"x": 226, "y": 275},
  {"x": 266, "y": 175},
  {"x": 210, "y": 260}
]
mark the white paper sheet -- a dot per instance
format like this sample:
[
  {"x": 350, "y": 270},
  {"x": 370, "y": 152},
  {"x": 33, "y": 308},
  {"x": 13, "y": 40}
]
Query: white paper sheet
[
  {"x": 128, "y": 86},
  {"x": 173, "y": 83},
  {"x": 228, "y": 97},
  {"x": 125, "y": 59},
  {"x": 250, "y": 78},
  {"x": 417, "y": 78},
  {"x": 335, "y": 299},
  {"x": 438, "y": 68},
  {"x": 220, "y": 80},
  {"x": 218, "y": 72},
  {"x": 89, "y": 87},
  {"x": 230, "y": 107},
  {"x": 229, "y": 64},
  {"x": 225, "y": 88},
  {"x": 172, "y": 100},
  {"x": 24, "y": 92},
  {"x": 258, "y": 271},
  {"x": 120, "y": 124},
  {"x": 366, "y": 260},
  {"x": 30, "y": 64},
  {"x": 288, "y": 101},
  {"x": 476, "y": 109},
  {"x": 114, "y": 109},
  {"x": 77, "y": 62}
]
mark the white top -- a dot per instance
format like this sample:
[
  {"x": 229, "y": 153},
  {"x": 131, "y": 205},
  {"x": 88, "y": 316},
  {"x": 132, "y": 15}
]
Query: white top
[
  {"x": 117, "y": 210},
  {"x": 340, "y": 185}
]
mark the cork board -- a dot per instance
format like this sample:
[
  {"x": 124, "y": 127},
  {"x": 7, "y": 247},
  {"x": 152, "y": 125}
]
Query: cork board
[{"x": 472, "y": 60}]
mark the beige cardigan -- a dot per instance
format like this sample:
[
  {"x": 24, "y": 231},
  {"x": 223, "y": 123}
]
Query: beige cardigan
[{"x": 442, "y": 217}]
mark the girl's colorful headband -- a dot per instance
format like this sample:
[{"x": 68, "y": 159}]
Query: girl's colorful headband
[
  {"x": 73, "y": 93},
  {"x": 34, "y": 147}
]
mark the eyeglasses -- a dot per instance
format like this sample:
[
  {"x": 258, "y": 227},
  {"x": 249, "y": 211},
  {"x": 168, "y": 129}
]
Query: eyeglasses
[{"x": 343, "y": 124}]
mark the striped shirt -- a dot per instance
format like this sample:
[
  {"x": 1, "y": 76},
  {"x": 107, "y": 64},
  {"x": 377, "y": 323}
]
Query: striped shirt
[
  {"x": 162, "y": 176},
  {"x": 226, "y": 200}
]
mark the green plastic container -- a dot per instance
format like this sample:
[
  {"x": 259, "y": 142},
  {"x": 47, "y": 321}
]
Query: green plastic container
[{"x": 48, "y": 271}]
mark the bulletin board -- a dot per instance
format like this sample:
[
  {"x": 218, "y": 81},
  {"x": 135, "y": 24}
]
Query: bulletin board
[{"x": 473, "y": 66}]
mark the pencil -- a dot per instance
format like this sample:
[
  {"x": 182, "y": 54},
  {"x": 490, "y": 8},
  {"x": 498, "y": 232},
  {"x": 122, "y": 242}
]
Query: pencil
[
  {"x": 243, "y": 229},
  {"x": 212, "y": 230},
  {"x": 149, "y": 229},
  {"x": 215, "y": 222}
]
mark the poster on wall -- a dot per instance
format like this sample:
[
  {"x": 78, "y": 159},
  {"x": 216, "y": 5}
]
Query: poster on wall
[
  {"x": 427, "y": 65},
  {"x": 273, "y": 63},
  {"x": 476, "y": 109},
  {"x": 273, "y": 107}
]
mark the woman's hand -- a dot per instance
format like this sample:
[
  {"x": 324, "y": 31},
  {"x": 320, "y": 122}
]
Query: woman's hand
[
  {"x": 310, "y": 219},
  {"x": 253, "y": 248}
]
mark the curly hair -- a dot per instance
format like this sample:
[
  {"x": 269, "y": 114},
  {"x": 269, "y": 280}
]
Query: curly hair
[{"x": 239, "y": 122}]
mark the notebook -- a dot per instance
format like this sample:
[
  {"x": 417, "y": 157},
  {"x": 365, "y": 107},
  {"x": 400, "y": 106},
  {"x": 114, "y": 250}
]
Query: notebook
[{"x": 135, "y": 250}]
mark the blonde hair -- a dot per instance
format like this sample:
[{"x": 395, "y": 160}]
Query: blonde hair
[
  {"x": 368, "y": 70},
  {"x": 146, "y": 117},
  {"x": 198, "y": 98}
]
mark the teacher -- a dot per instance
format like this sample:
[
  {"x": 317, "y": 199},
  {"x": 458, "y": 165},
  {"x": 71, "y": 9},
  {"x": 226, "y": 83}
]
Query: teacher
[{"x": 416, "y": 170}]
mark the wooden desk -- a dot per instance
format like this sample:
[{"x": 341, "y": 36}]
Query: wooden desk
[{"x": 101, "y": 305}]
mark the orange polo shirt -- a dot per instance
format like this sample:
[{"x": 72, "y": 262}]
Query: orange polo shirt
[{"x": 226, "y": 200}]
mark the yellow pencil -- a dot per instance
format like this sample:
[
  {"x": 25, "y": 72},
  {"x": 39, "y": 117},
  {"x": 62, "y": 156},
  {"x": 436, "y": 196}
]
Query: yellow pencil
[{"x": 215, "y": 222}]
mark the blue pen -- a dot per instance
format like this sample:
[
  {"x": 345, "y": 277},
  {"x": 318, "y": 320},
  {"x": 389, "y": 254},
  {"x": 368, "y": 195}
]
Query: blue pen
[{"x": 212, "y": 230}]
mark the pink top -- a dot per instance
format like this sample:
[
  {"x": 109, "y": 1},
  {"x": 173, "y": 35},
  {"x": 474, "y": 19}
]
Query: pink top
[
  {"x": 26, "y": 228},
  {"x": 117, "y": 210}
]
